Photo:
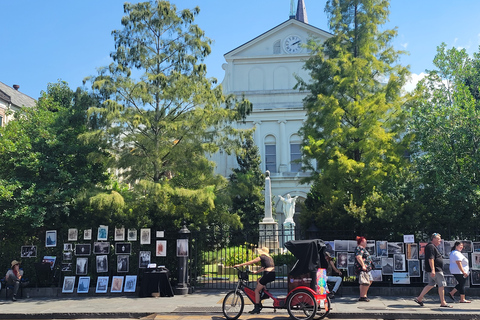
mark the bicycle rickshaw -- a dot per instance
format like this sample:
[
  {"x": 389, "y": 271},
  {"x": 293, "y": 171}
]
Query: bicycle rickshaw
[{"x": 307, "y": 285}]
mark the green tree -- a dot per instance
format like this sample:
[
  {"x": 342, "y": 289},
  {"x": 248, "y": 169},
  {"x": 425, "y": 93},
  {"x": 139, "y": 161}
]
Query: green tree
[
  {"x": 355, "y": 122},
  {"x": 162, "y": 115},
  {"x": 446, "y": 123}
]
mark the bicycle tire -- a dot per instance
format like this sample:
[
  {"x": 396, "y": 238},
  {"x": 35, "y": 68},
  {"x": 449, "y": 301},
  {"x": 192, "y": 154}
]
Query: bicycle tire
[
  {"x": 301, "y": 305},
  {"x": 232, "y": 305},
  {"x": 321, "y": 312}
]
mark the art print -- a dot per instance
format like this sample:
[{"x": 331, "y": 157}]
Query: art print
[
  {"x": 350, "y": 258},
  {"x": 421, "y": 250},
  {"x": 476, "y": 246},
  {"x": 51, "y": 238},
  {"x": 377, "y": 262},
  {"x": 161, "y": 248},
  {"x": 401, "y": 278},
  {"x": 68, "y": 284},
  {"x": 342, "y": 260},
  {"x": 123, "y": 262},
  {"x": 67, "y": 267},
  {"x": 377, "y": 275},
  {"x": 102, "y": 233},
  {"x": 87, "y": 234},
  {"x": 132, "y": 235},
  {"x": 351, "y": 271},
  {"x": 120, "y": 234},
  {"x": 371, "y": 247},
  {"x": 395, "y": 247},
  {"x": 352, "y": 244},
  {"x": 83, "y": 249},
  {"x": 50, "y": 260},
  {"x": 102, "y": 263},
  {"x": 72, "y": 234},
  {"x": 123, "y": 248},
  {"x": 467, "y": 246},
  {"x": 101, "y": 247},
  {"x": 382, "y": 248},
  {"x": 399, "y": 262},
  {"x": 447, "y": 248},
  {"x": 414, "y": 268},
  {"x": 67, "y": 247},
  {"x": 441, "y": 249},
  {"x": 446, "y": 267},
  {"x": 387, "y": 266},
  {"x": 476, "y": 260},
  {"x": 82, "y": 266},
  {"x": 330, "y": 247},
  {"x": 117, "y": 284},
  {"x": 28, "y": 252},
  {"x": 475, "y": 277},
  {"x": 451, "y": 281},
  {"x": 130, "y": 283},
  {"x": 341, "y": 245},
  {"x": 144, "y": 259},
  {"x": 412, "y": 251},
  {"x": 83, "y": 284},
  {"x": 102, "y": 285},
  {"x": 145, "y": 236},
  {"x": 67, "y": 255},
  {"x": 160, "y": 234},
  {"x": 182, "y": 247}
]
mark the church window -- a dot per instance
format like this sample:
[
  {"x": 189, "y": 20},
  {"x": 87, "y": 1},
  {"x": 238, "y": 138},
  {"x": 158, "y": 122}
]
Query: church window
[
  {"x": 276, "y": 47},
  {"x": 295, "y": 153},
  {"x": 270, "y": 154}
]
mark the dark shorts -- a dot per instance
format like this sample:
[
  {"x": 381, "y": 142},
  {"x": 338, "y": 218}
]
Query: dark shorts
[{"x": 267, "y": 277}]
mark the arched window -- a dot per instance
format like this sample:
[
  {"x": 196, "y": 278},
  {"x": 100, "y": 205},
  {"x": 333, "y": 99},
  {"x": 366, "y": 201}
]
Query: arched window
[
  {"x": 276, "y": 47},
  {"x": 295, "y": 153},
  {"x": 270, "y": 154}
]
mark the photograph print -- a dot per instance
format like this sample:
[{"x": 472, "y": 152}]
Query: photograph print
[
  {"x": 475, "y": 277},
  {"x": 451, "y": 281},
  {"x": 120, "y": 234},
  {"x": 467, "y": 246},
  {"x": 421, "y": 250},
  {"x": 401, "y": 278},
  {"x": 67, "y": 267},
  {"x": 412, "y": 251},
  {"x": 371, "y": 247},
  {"x": 476, "y": 246},
  {"x": 51, "y": 238},
  {"x": 342, "y": 260},
  {"x": 382, "y": 248},
  {"x": 102, "y": 233},
  {"x": 476, "y": 260},
  {"x": 446, "y": 246},
  {"x": 28, "y": 252},
  {"x": 83, "y": 284},
  {"x": 414, "y": 268},
  {"x": 117, "y": 284},
  {"x": 123, "y": 248},
  {"x": 132, "y": 235},
  {"x": 182, "y": 247},
  {"x": 67, "y": 255},
  {"x": 82, "y": 266},
  {"x": 102, "y": 263},
  {"x": 144, "y": 258},
  {"x": 123, "y": 263},
  {"x": 83, "y": 249},
  {"x": 330, "y": 247},
  {"x": 350, "y": 258},
  {"x": 161, "y": 248},
  {"x": 67, "y": 247},
  {"x": 102, "y": 285},
  {"x": 446, "y": 267},
  {"x": 101, "y": 247},
  {"x": 352, "y": 244},
  {"x": 68, "y": 284},
  {"x": 145, "y": 236},
  {"x": 130, "y": 283},
  {"x": 377, "y": 275},
  {"x": 387, "y": 266},
  {"x": 87, "y": 234},
  {"x": 377, "y": 262},
  {"x": 395, "y": 247},
  {"x": 72, "y": 234},
  {"x": 399, "y": 262},
  {"x": 341, "y": 245}
]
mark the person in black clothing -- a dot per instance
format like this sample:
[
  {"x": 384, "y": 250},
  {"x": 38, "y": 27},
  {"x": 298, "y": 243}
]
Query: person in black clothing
[
  {"x": 268, "y": 268},
  {"x": 434, "y": 268}
]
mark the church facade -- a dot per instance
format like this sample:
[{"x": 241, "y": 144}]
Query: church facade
[{"x": 263, "y": 70}]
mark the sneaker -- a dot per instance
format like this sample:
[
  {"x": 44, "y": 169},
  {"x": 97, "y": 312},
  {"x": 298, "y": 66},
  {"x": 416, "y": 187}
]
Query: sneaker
[{"x": 14, "y": 298}]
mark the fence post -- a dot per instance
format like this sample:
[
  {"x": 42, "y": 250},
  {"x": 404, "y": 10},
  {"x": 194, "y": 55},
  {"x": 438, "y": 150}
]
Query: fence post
[{"x": 182, "y": 254}]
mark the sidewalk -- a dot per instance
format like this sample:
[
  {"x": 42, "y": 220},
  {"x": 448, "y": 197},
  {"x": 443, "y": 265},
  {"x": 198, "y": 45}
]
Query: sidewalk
[{"x": 208, "y": 303}]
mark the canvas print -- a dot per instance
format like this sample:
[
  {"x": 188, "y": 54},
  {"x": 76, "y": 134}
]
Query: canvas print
[
  {"x": 401, "y": 278},
  {"x": 120, "y": 234},
  {"x": 102, "y": 285},
  {"x": 371, "y": 247},
  {"x": 350, "y": 258},
  {"x": 412, "y": 251},
  {"x": 67, "y": 267},
  {"x": 102, "y": 233},
  {"x": 130, "y": 284},
  {"x": 467, "y": 246},
  {"x": 82, "y": 266},
  {"x": 399, "y": 262},
  {"x": 414, "y": 268},
  {"x": 377, "y": 275},
  {"x": 377, "y": 262},
  {"x": 83, "y": 284},
  {"x": 182, "y": 247},
  {"x": 87, "y": 234},
  {"x": 395, "y": 247},
  {"x": 51, "y": 238},
  {"x": 72, "y": 234},
  {"x": 68, "y": 284},
  {"x": 67, "y": 255},
  {"x": 145, "y": 236},
  {"x": 342, "y": 260},
  {"x": 161, "y": 248},
  {"x": 330, "y": 247},
  {"x": 102, "y": 264},
  {"x": 476, "y": 260},
  {"x": 117, "y": 284},
  {"x": 67, "y": 247},
  {"x": 387, "y": 266},
  {"x": 83, "y": 249},
  {"x": 123, "y": 248},
  {"x": 475, "y": 277},
  {"x": 421, "y": 250},
  {"x": 382, "y": 248},
  {"x": 28, "y": 252},
  {"x": 101, "y": 247},
  {"x": 132, "y": 235},
  {"x": 341, "y": 245},
  {"x": 144, "y": 258},
  {"x": 123, "y": 263}
]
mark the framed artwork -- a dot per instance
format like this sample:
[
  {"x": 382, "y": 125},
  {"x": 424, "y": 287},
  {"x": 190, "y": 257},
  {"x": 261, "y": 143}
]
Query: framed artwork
[
  {"x": 395, "y": 247},
  {"x": 102, "y": 263},
  {"x": 28, "y": 252},
  {"x": 350, "y": 258},
  {"x": 399, "y": 262},
  {"x": 377, "y": 275},
  {"x": 408, "y": 238},
  {"x": 412, "y": 251},
  {"x": 82, "y": 266},
  {"x": 421, "y": 250},
  {"x": 68, "y": 284},
  {"x": 414, "y": 268},
  {"x": 83, "y": 249},
  {"x": 120, "y": 234},
  {"x": 161, "y": 248},
  {"x": 50, "y": 260},
  {"x": 123, "y": 248},
  {"x": 467, "y": 246},
  {"x": 342, "y": 260},
  {"x": 72, "y": 234},
  {"x": 67, "y": 255},
  {"x": 330, "y": 247},
  {"x": 447, "y": 248},
  {"x": 382, "y": 248},
  {"x": 87, "y": 234},
  {"x": 132, "y": 235},
  {"x": 476, "y": 260},
  {"x": 387, "y": 266},
  {"x": 101, "y": 247},
  {"x": 476, "y": 246},
  {"x": 51, "y": 238},
  {"x": 144, "y": 258},
  {"x": 451, "y": 281},
  {"x": 67, "y": 247},
  {"x": 102, "y": 233},
  {"x": 67, "y": 267},
  {"x": 160, "y": 234},
  {"x": 102, "y": 285},
  {"x": 401, "y": 278},
  {"x": 117, "y": 284},
  {"x": 145, "y": 236},
  {"x": 352, "y": 244},
  {"x": 341, "y": 245},
  {"x": 182, "y": 247},
  {"x": 351, "y": 271},
  {"x": 83, "y": 284},
  {"x": 475, "y": 277},
  {"x": 377, "y": 262},
  {"x": 123, "y": 262},
  {"x": 130, "y": 284},
  {"x": 371, "y": 247},
  {"x": 446, "y": 267}
]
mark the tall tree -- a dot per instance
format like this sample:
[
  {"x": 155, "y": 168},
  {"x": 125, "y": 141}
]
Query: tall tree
[
  {"x": 355, "y": 123},
  {"x": 162, "y": 114}
]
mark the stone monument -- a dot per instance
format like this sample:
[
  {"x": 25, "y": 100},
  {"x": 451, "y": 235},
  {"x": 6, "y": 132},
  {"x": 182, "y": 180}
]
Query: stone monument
[{"x": 268, "y": 228}]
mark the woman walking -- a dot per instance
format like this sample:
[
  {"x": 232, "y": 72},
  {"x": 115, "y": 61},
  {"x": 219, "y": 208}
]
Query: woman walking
[
  {"x": 363, "y": 266},
  {"x": 459, "y": 269}
]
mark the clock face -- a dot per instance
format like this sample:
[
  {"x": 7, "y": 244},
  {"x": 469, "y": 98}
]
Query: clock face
[{"x": 292, "y": 44}]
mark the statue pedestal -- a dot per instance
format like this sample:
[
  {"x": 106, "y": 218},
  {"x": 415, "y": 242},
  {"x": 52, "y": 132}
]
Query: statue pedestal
[
  {"x": 268, "y": 235},
  {"x": 288, "y": 230}
]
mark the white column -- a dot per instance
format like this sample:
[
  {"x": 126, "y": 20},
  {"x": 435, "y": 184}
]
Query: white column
[
  {"x": 257, "y": 137},
  {"x": 282, "y": 147}
]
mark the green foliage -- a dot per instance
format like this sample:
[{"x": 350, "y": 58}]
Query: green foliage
[{"x": 287, "y": 258}]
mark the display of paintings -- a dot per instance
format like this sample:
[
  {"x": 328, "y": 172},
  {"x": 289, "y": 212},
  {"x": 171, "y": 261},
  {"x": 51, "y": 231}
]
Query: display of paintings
[
  {"x": 414, "y": 268},
  {"x": 51, "y": 238},
  {"x": 123, "y": 248},
  {"x": 50, "y": 260},
  {"x": 377, "y": 262},
  {"x": 117, "y": 284},
  {"x": 377, "y": 275},
  {"x": 120, "y": 234},
  {"x": 82, "y": 266},
  {"x": 382, "y": 248},
  {"x": 447, "y": 248},
  {"x": 145, "y": 236},
  {"x": 67, "y": 267},
  {"x": 451, "y": 281},
  {"x": 412, "y": 251},
  {"x": 101, "y": 247},
  {"x": 446, "y": 267},
  {"x": 161, "y": 248},
  {"x": 123, "y": 262},
  {"x": 182, "y": 247},
  {"x": 102, "y": 263},
  {"x": 342, "y": 260},
  {"x": 102, "y": 233},
  {"x": 387, "y": 266},
  {"x": 341, "y": 245},
  {"x": 87, "y": 234},
  {"x": 421, "y": 250},
  {"x": 130, "y": 284},
  {"x": 350, "y": 258},
  {"x": 160, "y": 234},
  {"x": 476, "y": 260},
  {"x": 351, "y": 271},
  {"x": 83, "y": 284},
  {"x": 401, "y": 278},
  {"x": 399, "y": 262},
  {"x": 83, "y": 249},
  {"x": 72, "y": 234},
  {"x": 67, "y": 247},
  {"x": 132, "y": 235},
  {"x": 68, "y": 284},
  {"x": 144, "y": 258},
  {"x": 371, "y": 247},
  {"x": 102, "y": 285},
  {"x": 28, "y": 252},
  {"x": 467, "y": 246},
  {"x": 67, "y": 255},
  {"x": 330, "y": 247},
  {"x": 475, "y": 277},
  {"x": 395, "y": 247}
]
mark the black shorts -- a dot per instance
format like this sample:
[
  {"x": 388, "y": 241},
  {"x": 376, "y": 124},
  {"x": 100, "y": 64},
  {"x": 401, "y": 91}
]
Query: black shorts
[{"x": 267, "y": 277}]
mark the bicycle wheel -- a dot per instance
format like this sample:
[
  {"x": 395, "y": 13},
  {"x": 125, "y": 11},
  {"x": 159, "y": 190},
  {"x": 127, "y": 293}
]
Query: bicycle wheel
[
  {"x": 322, "y": 312},
  {"x": 301, "y": 305},
  {"x": 232, "y": 305}
]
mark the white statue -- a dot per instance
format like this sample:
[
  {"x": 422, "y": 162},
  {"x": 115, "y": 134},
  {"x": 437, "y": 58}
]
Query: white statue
[{"x": 288, "y": 207}]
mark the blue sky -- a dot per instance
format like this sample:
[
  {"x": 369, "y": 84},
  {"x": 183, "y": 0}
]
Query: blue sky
[{"x": 43, "y": 41}]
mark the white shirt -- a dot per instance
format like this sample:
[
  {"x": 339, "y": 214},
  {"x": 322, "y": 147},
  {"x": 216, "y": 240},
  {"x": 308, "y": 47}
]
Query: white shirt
[{"x": 455, "y": 256}]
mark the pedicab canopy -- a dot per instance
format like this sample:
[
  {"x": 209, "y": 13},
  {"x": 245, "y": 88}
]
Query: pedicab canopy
[{"x": 310, "y": 255}]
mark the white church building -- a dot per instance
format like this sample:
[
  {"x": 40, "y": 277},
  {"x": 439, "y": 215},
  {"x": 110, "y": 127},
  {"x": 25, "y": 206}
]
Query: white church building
[{"x": 263, "y": 71}]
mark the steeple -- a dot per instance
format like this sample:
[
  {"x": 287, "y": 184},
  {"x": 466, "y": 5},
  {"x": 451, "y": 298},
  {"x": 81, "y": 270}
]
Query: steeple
[
  {"x": 292, "y": 10},
  {"x": 301, "y": 12}
]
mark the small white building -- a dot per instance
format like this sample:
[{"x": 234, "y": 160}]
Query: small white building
[
  {"x": 12, "y": 100},
  {"x": 263, "y": 71}
]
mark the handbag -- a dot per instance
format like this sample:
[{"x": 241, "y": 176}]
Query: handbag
[{"x": 364, "y": 278}]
